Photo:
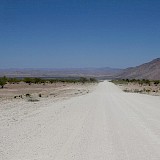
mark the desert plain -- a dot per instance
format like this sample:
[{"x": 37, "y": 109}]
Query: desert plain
[{"x": 78, "y": 122}]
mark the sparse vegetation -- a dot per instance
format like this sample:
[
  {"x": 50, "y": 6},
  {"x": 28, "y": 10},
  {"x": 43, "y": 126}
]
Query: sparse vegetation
[
  {"x": 20, "y": 96},
  {"x": 28, "y": 95},
  {"x": 136, "y": 81},
  {"x": 17, "y": 88},
  {"x": 139, "y": 85},
  {"x": 156, "y": 82},
  {"x": 43, "y": 81},
  {"x": 3, "y": 81},
  {"x": 13, "y": 80},
  {"x": 36, "y": 80},
  {"x": 28, "y": 80}
]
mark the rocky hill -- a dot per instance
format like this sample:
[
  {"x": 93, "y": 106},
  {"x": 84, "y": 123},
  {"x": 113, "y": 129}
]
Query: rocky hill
[{"x": 150, "y": 70}]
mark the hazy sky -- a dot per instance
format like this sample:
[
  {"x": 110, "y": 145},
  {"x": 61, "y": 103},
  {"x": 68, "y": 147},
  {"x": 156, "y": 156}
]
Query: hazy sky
[{"x": 78, "y": 33}]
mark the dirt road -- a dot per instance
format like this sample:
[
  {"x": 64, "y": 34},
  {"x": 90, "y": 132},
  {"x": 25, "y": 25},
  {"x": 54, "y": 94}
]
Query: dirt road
[{"x": 106, "y": 124}]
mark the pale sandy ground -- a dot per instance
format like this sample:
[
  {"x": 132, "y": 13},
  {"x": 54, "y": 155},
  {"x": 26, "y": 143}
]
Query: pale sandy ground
[
  {"x": 154, "y": 90},
  {"x": 106, "y": 124},
  {"x": 55, "y": 91}
]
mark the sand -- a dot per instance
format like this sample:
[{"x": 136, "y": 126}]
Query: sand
[
  {"x": 12, "y": 92},
  {"x": 104, "y": 124},
  {"x": 152, "y": 89}
]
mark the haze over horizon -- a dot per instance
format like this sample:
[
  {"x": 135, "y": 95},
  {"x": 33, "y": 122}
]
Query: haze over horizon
[{"x": 78, "y": 34}]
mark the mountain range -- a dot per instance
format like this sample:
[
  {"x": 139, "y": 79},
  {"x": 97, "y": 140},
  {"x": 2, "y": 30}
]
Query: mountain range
[
  {"x": 100, "y": 73},
  {"x": 149, "y": 70}
]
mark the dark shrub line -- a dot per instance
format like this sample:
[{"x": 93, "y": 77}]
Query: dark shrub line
[
  {"x": 139, "y": 81},
  {"x": 36, "y": 80}
]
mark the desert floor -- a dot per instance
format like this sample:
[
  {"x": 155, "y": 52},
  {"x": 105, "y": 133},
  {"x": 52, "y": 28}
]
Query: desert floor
[
  {"x": 102, "y": 122},
  {"x": 54, "y": 91},
  {"x": 152, "y": 89}
]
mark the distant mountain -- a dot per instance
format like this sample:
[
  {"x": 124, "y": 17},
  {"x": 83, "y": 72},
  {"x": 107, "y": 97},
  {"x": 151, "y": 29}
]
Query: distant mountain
[
  {"x": 150, "y": 70},
  {"x": 101, "y": 73}
]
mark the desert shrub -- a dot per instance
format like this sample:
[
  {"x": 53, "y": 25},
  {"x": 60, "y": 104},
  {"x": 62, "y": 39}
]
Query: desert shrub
[
  {"x": 13, "y": 80},
  {"x": 83, "y": 79},
  {"x": 28, "y": 95},
  {"x": 28, "y": 80},
  {"x": 156, "y": 82},
  {"x": 92, "y": 80},
  {"x": 148, "y": 90},
  {"x": 146, "y": 81},
  {"x": 20, "y": 96},
  {"x": 37, "y": 80},
  {"x": 3, "y": 81},
  {"x": 74, "y": 80},
  {"x": 138, "y": 81}
]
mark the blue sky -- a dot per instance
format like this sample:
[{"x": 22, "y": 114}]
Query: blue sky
[{"x": 78, "y": 33}]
